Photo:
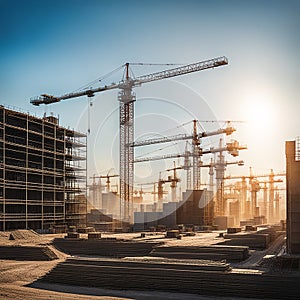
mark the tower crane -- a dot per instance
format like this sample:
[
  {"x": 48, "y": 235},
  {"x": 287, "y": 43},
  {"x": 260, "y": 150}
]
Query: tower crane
[
  {"x": 218, "y": 164},
  {"x": 194, "y": 136},
  {"x": 174, "y": 182},
  {"x": 220, "y": 171},
  {"x": 126, "y": 99},
  {"x": 232, "y": 148},
  {"x": 187, "y": 167},
  {"x": 196, "y": 150},
  {"x": 269, "y": 210},
  {"x": 141, "y": 191},
  {"x": 254, "y": 188},
  {"x": 107, "y": 179}
]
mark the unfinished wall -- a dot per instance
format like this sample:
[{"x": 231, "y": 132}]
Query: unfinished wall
[{"x": 40, "y": 172}]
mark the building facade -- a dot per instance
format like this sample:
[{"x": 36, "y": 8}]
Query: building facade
[
  {"x": 292, "y": 151},
  {"x": 196, "y": 208},
  {"x": 42, "y": 172}
]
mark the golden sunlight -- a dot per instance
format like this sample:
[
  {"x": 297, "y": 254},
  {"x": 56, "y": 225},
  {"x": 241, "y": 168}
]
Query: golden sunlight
[{"x": 260, "y": 114}]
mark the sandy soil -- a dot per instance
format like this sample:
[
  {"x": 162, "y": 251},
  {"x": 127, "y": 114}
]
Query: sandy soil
[
  {"x": 17, "y": 281},
  {"x": 200, "y": 239},
  {"x": 16, "y": 275},
  {"x": 17, "y": 278}
]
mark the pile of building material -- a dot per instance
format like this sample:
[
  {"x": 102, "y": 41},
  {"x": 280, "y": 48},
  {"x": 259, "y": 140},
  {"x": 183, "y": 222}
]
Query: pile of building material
[
  {"x": 252, "y": 240},
  {"x": 72, "y": 235},
  {"x": 38, "y": 253},
  {"x": 234, "y": 229},
  {"x": 258, "y": 240},
  {"x": 203, "y": 278},
  {"x": 273, "y": 232},
  {"x": 94, "y": 235},
  {"x": 250, "y": 228},
  {"x": 215, "y": 252},
  {"x": 172, "y": 234},
  {"x": 86, "y": 230},
  {"x": 104, "y": 247}
]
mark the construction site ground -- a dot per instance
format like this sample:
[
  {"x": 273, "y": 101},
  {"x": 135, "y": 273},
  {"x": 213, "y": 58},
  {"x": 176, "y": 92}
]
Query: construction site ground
[{"x": 24, "y": 278}]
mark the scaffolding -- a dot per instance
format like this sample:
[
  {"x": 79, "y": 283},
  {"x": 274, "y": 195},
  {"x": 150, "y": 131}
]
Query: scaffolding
[
  {"x": 297, "y": 148},
  {"x": 42, "y": 172}
]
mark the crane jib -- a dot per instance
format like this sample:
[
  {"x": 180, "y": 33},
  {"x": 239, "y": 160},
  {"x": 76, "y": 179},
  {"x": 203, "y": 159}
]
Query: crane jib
[{"x": 207, "y": 64}]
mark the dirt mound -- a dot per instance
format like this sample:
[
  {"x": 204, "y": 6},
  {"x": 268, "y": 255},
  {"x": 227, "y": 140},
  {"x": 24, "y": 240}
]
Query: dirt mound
[
  {"x": 23, "y": 234},
  {"x": 39, "y": 253}
]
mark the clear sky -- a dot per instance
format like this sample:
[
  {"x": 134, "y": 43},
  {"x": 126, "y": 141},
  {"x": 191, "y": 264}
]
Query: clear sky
[{"x": 55, "y": 47}]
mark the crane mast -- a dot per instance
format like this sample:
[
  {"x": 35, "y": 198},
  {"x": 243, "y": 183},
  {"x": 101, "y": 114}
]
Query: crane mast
[
  {"x": 196, "y": 158},
  {"x": 126, "y": 99},
  {"x": 187, "y": 167}
]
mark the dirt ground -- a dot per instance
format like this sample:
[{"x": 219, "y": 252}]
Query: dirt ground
[
  {"x": 16, "y": 275},
  {"x": 17, "y": 282},
  {"x": 17, "y": 278}
]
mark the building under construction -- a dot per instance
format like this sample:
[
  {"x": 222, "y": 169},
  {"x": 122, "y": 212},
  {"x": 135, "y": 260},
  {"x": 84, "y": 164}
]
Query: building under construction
[
  {"x": 292, "y": 152},
  {"x": 43, "y": 172}
]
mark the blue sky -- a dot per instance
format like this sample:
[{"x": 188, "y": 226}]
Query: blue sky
[{"x": 56, "y": 47}]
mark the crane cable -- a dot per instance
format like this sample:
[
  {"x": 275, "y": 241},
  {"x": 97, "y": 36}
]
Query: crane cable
[
  {"x": 86, "y": 86},
  {"x": 155, "y": 64},
  {"x": 90, "y": 104}
]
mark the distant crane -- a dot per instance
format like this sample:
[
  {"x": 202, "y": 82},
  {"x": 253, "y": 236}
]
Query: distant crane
[
  {"x": 269, "y": 210},
  {"x": 254, "y": 188},
  {"x": 126, "y": 99},
  {"x": 220, "y": 166},
  {"x": 196, "y": 150},
  {"x": 232, "y": 147},
  {"x": 174, "y": 181},
  {"x": 107, "y": 179},
  {"x": 159, "y": 191},
  {"x": 216, "y": 164}
]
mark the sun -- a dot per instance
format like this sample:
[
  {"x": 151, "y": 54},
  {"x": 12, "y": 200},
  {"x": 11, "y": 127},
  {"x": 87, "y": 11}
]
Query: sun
[{"x": 260, "y": 113}]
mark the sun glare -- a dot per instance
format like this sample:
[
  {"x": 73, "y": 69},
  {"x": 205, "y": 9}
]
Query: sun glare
[{"x": 260, "y": 114}]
